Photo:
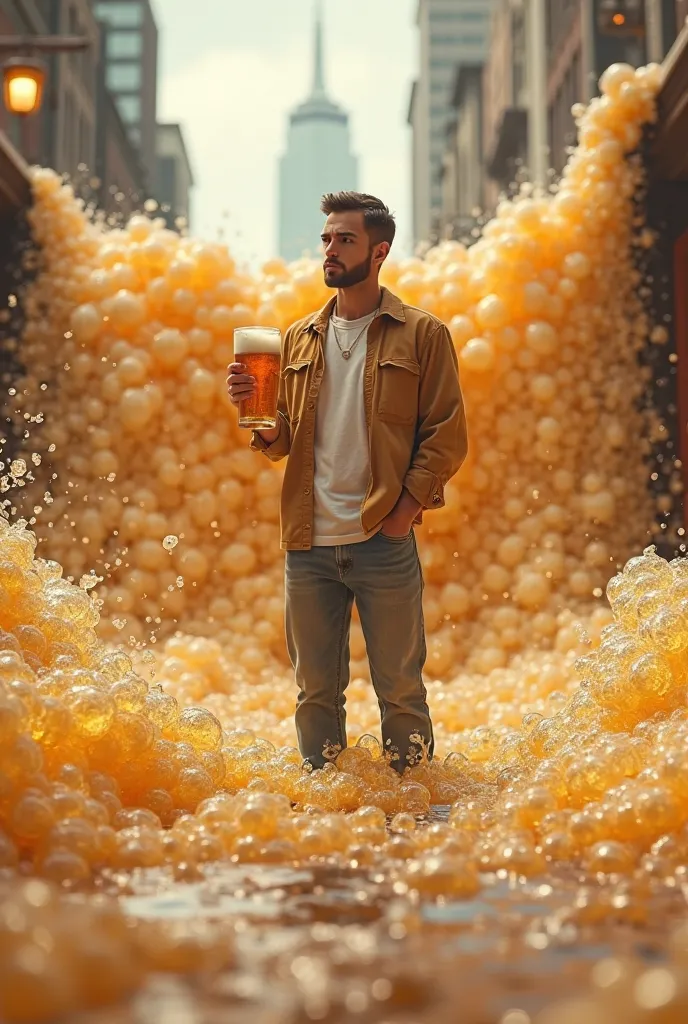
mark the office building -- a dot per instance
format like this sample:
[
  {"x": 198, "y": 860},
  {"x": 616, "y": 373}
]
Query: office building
[
  {"x": 174, "y": 176},
  {"x": 462, "y": 163},
  {"x": 121, "y": 178},
  {"x": 131, "y": 60},
  {"x": 452, "y": 33},
  {"x": 505, "y": 121},
  {"x": 581, "y": 38},
  {"x": 318, "y": 159}
]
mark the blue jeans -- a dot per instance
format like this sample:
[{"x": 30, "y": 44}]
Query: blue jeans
[{"x": 384, "y": 576}]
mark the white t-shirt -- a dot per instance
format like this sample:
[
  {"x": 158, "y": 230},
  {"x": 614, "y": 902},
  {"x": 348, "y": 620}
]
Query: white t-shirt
[{"x": 342, "y": 457}]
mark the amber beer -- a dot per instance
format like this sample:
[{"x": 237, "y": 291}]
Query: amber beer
[{"x": 258, "y": 348}]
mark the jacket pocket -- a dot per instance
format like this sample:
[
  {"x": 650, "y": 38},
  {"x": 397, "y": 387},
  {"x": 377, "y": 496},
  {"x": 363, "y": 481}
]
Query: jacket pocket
[
  {"x": 399, "y": 382},
  {"x": 295, "y": 376}
]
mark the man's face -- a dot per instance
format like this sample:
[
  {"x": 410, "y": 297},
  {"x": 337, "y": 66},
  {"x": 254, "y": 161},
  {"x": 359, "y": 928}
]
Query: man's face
[{"x": 348, "y": 252}]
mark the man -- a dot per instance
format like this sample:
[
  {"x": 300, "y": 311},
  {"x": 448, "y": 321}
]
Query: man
[{"x": 371, "y": 418}]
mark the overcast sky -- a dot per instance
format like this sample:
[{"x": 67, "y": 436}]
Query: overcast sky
[{"x": 231, "y": 70}]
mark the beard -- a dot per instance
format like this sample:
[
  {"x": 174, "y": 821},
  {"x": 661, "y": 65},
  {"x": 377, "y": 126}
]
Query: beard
[{"x": 342, "y": 278}]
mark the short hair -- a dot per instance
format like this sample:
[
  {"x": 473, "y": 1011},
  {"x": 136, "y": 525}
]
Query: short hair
[{"x": 378, "y": 221}]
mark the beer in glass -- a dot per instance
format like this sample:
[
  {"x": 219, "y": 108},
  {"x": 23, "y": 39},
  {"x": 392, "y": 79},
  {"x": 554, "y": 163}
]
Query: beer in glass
[{"x": 258, "y": 348}]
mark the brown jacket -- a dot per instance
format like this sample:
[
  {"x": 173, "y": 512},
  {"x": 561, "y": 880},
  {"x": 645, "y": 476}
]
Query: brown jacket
[{"x": 414, "y": 411}]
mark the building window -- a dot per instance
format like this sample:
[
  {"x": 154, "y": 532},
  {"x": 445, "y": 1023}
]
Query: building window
[
  {"x": 454, "y": 15},
  {"x": 129, "y": 108},
  {"x": 124, "y": 44},
  {"x": 122, "y": 15},
  {"x": 451, "y": 62},
  {"x": 167, "y": 178},
  {"x": 123, "y": 77},
  {"x": 518, "y": 45},
  {"x": 464, "y": 39}
]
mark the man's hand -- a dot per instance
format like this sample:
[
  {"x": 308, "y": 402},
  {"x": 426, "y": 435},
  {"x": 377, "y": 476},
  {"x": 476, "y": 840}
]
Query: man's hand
[
  {"x": 400, "y": 520},
  {"x": 241, "y": 386}
]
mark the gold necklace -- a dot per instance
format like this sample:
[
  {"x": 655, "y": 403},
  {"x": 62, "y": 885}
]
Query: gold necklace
[{"x": 346, "y": 352}]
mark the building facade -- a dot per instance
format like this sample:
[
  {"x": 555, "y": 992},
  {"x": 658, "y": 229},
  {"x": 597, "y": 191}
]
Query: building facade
[
  {"x": 25, "y": 134},
  {"x": 567, "y": 81},
  {"x": 318, "y": 159},
  {"x": 79, "y": 130},
  {"x": 131, "y": 70},
  {"x": 63, "y": 134},
  {"x": 451, "y": 33},
  {"x": 582, "y": 38},
  {"x": 174, "y": 176},
  {"x": 73, "y": 128},
  {"x": 505, "y": 94},
  {"x": 121, "y": 178},
  {"x": 462, "y": 172}
]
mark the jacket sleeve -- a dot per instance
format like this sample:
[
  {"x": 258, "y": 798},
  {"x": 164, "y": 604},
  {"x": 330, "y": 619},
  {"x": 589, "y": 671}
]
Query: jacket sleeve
[
  {"x": 281, "y": 446},
  {"x": 441, "y": 437}
]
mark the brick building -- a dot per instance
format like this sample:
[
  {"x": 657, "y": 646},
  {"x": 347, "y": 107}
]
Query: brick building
[{"x": 79, "y": 130}]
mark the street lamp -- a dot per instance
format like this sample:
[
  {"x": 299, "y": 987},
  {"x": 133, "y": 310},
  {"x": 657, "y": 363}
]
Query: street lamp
[
  {"x": 23, "y": 80},
  {"x": 23, "y": 76}
]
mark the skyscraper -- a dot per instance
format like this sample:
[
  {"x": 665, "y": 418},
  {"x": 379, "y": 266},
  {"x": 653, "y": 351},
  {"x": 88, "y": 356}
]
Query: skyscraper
[
  {"x": 452, "y": 33},
  {"x": 131, "y": 60},
  {"x": 317, "y": 159}
]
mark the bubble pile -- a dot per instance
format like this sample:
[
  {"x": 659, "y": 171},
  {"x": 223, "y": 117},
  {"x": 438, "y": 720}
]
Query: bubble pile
[
  {"x": 561, "y": 719},
  {"x": 57, "y": 958},
  {"x": 103, "y": 770},
  {"x": 131, "y": 331}
]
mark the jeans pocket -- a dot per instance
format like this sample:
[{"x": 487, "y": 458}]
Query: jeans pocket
[{"x": 396, "y": 540}]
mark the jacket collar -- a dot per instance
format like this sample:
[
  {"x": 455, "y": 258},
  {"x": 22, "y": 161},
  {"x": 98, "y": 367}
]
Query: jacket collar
[{"x": 389, "y": 306}]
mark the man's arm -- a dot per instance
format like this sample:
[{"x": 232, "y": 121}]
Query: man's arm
[{"x": 442, "y": 440}]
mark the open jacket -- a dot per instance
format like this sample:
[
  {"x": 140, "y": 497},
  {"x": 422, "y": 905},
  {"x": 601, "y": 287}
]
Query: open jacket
[{"x": 414, "y": 412}]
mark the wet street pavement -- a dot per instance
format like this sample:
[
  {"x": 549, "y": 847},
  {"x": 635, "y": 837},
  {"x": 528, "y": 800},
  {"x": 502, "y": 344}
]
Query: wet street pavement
[{"x": 278, "y": 945}]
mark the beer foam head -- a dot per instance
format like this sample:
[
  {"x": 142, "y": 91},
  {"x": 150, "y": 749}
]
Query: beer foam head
[{"x": 249, "y": 340}]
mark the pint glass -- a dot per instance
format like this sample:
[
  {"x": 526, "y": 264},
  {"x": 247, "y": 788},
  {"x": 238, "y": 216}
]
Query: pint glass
[{"x": 258, "y": 348}]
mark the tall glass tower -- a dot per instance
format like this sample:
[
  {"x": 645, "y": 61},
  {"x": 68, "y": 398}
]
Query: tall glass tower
[
  {"x": 453, "y": 33},
  {"x": 131, "y": 61},
  {"x": 317, "y": 159}
]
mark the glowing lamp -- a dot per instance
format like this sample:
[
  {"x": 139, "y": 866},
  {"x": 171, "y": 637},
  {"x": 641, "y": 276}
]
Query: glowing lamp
[
  {"x": 619, "y": 19},
  {"x": 23, "y": 80}
]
